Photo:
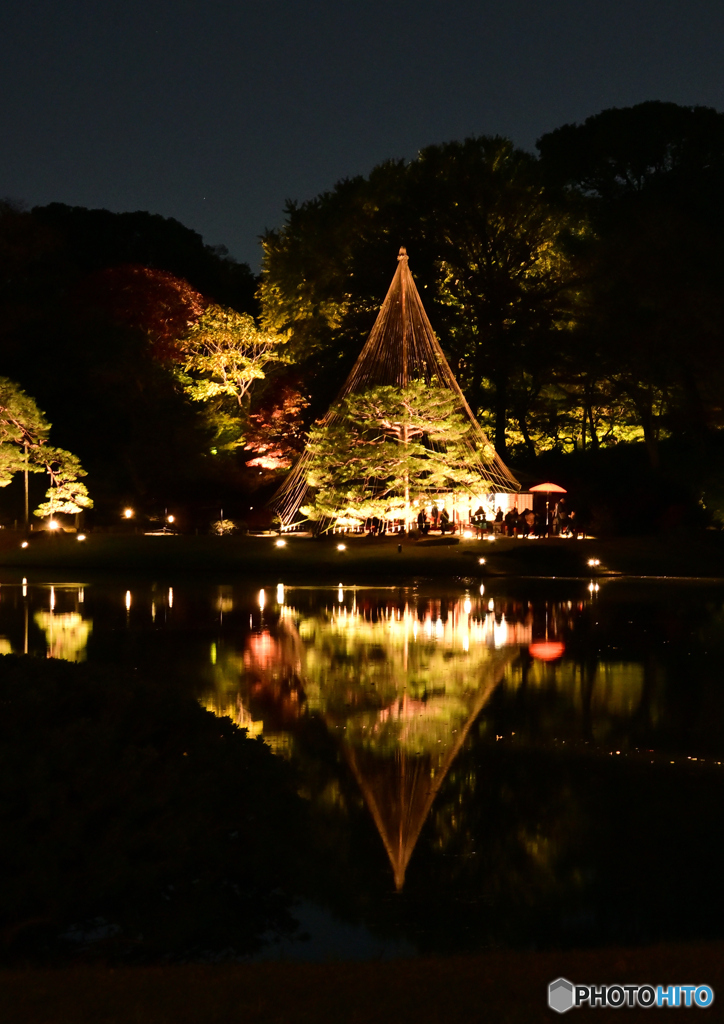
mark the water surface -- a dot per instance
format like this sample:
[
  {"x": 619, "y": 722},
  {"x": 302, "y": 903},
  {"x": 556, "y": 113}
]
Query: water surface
[{"x": 528, "y": 764}]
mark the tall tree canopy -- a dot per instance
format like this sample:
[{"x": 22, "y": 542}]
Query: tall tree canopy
[
  {"x": 490, "y": 253},
  {"x": 504, "y": 271},
  {"x": 225, "y": 352},
  {"x": 652, "y": 177},
  {"x": 93, "y": 240},
  {"x": 653, "y": 147},
  {"x": 96, "y": 345}
]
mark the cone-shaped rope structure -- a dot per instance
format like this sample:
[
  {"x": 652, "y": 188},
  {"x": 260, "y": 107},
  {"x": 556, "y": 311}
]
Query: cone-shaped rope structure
[{"x": 402, "y": 349}]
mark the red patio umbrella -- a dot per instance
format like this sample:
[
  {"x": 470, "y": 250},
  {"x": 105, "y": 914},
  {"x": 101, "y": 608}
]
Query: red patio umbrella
[{"x": 548, "y": 488}]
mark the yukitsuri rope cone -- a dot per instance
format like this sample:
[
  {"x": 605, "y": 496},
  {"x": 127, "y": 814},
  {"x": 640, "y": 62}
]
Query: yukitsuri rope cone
[{"x": 401, "y": 349}]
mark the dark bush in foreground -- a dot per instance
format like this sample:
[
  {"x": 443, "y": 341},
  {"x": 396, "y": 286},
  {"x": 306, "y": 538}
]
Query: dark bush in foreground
[{"x": 132, "y": 822}]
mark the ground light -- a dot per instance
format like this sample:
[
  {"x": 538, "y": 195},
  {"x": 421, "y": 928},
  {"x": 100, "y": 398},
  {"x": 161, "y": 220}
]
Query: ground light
[
  {"x": 53, "y": 525},
  {"x": 280, "y": 543},
  {"x": 81, "y": 536},
  {"x": 341, "y": 547},
  {"x": 24, "y": 544},
  {"x": 128, "y": 513}
]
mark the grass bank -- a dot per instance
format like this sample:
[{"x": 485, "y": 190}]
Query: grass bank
[
  {"x": 307, "y": 560},
  {"x": 498, "y": 986}
]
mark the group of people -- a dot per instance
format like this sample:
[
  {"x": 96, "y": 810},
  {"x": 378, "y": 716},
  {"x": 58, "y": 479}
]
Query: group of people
[
  {"x": 556, "y": 522},
  {"x": 439, "y": 519}
]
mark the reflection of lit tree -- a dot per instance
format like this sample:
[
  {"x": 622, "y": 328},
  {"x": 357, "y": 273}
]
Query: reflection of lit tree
[
  {"x": 401, "y": 680},
  {"x": 396, "y": 722},
  {"x": 398, "y": 687},
  {"x": 66, "y": 634},
  {"x": 401, "y": 690},
  {"x": 270, "y": 696}
]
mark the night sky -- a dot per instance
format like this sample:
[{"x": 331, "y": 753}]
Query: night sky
[{"x": 216, "y": 112}]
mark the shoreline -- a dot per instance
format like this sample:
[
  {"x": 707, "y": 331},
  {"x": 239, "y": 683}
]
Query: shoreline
[{"x": 362, "y": 558}]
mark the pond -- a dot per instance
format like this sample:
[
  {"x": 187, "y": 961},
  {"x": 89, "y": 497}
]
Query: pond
[{"x": 494, "y": 763}]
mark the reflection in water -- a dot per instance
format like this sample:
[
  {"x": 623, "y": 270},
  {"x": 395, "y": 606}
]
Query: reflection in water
[
  {"x": 496, "y": 736},
  {"x": 399, "y": 681},
  {"x": 611, "y": 688},
  {"x": 66, "y": 634},
  {"x": 46, "y": 620},
  {"x": 397, "y": 685}
]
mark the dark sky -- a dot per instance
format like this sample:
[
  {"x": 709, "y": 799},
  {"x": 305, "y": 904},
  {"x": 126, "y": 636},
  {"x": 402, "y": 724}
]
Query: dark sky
[{"x": 215, "y": 112}]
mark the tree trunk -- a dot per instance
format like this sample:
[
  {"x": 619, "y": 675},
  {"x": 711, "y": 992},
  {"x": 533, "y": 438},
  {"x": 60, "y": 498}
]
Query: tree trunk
[
  {"x": 651, "y": 441},
  {"x": 501, "y": 414},
  {"x": 27, "y": 501},
  {"x": 643, "y": 403},
  {"x": 592, "y": 426},
  {"x": 476, "y": 380},
  {"x": 530, "y": 447}
]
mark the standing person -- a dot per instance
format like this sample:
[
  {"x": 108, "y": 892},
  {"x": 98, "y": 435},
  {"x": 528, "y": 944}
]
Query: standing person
[
  {"x": 511, "y": 521},
  {"x": 573, "y": 524},
  {"x": 444, "y": 521},
  {"x": 435, "y": 513},
  {"x": 480, "y": 522},
  {"x": 498, "y": 522},
  {"x": 422, "y": 521},
  {"x": 554, "y": 519},
  {"x": 562, "y": 518}
]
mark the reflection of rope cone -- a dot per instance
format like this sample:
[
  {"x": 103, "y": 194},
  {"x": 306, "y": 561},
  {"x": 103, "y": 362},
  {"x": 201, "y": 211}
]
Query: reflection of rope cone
[
  {"x": 400, "y": 790},
  {"x": 398, "y": 707}
]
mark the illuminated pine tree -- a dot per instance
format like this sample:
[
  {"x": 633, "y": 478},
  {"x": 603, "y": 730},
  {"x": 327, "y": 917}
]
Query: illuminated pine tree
[
  {"x": 24, "y": 447},
  {"x": 386, "y": 449},
  {"x": 401, "y": 430}
]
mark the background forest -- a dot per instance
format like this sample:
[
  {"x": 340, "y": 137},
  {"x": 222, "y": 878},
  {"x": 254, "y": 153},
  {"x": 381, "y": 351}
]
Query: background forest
[{"x": 576, "y": 292}]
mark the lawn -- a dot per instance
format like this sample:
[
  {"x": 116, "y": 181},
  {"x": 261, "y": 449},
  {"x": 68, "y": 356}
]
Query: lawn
[{"x": 304, "y": 559}]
